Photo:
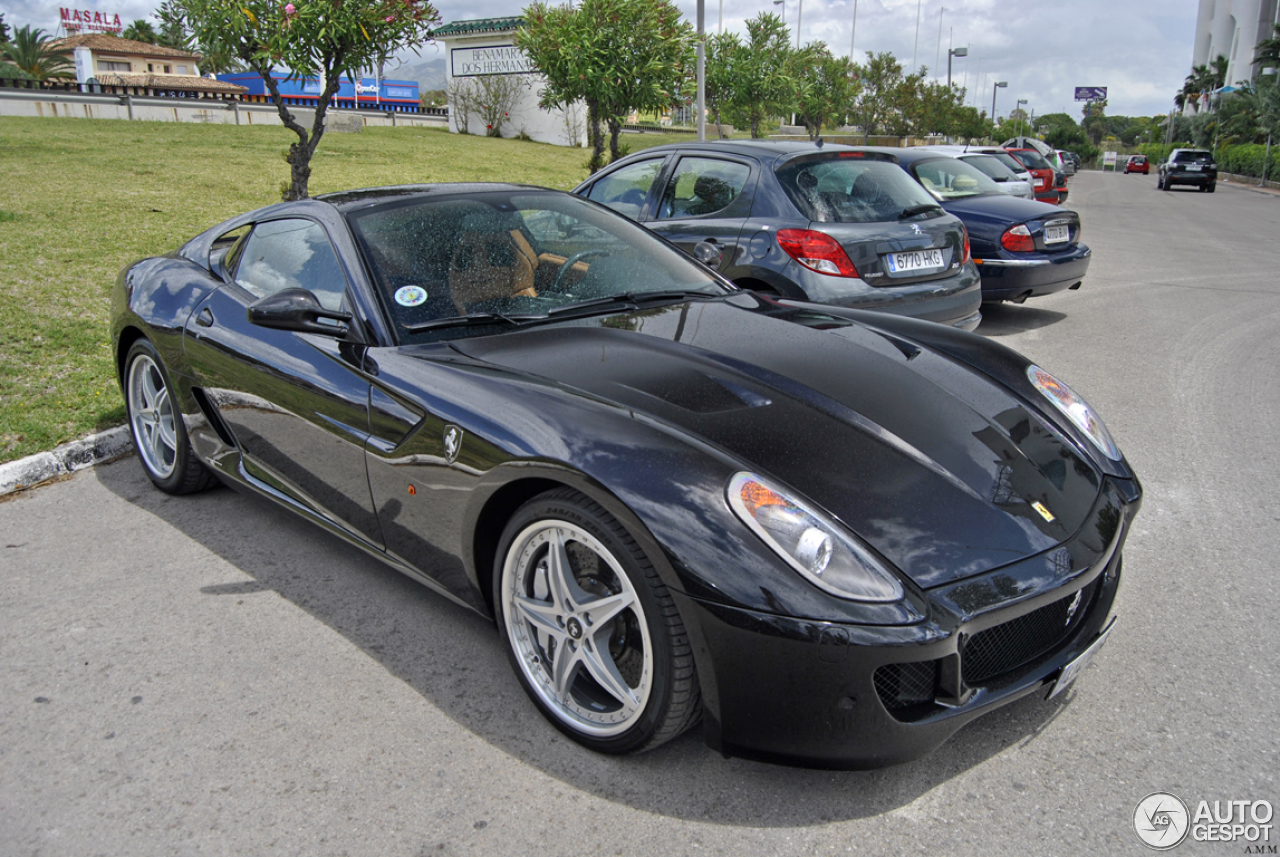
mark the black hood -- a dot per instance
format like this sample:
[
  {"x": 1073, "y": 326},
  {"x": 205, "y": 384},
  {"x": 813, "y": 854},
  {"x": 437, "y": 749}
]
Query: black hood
[{"x": 932, "y": 463}]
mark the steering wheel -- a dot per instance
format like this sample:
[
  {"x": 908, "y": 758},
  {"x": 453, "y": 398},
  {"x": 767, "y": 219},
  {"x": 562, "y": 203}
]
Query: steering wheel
[{"x": 570, "y": 262}]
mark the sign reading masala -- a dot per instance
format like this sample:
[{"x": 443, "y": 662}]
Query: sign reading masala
[{"x": 492, "y": 59}]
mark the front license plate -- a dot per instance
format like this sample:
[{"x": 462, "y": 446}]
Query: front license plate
[
  {"x": 1193, "y": 168},
  {"x": 915, "y": 260},
  {"x": 1056, "y": 234},
  {"x": 1072, "y": 670}
]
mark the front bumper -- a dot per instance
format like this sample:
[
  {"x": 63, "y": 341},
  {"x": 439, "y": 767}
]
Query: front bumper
[
  {"x": 841, "y": 696},
  {"x": 1015, "y": 277}
]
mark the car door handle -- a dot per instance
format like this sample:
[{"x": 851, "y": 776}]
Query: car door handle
[{"x": 205, "y": 318}]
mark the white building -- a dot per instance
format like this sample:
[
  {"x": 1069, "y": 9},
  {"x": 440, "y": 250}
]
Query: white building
[
  {"x": 482, "y": 52},
  {"x": 1233, "y": 28}
]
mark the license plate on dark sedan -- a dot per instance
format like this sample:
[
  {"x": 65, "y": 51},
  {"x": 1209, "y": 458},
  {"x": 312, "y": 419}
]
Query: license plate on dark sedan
[
  {"x": 1056, "y": 234},
  {"x": 914, "y": 260},
  {"x": 1072, "y": 670}
]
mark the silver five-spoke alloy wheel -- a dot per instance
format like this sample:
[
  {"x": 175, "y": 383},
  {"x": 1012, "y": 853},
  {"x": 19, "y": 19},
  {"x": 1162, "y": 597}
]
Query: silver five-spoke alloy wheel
[
  {"x": 151, "y": 416},
  {"x": 577, "y": 628}
]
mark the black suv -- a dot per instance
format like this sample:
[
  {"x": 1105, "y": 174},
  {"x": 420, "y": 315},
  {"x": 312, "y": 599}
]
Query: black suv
[
  {"x": 1188, "y": 166},
  {"x": 825, "y": 223}
]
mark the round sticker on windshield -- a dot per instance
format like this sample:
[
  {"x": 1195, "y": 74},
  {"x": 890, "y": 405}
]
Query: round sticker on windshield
[{"x": 410, "y": 295}]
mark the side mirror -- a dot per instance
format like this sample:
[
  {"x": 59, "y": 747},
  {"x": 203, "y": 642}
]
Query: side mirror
[
  {"x": 709, "y": 254},
  {"x": 299, "y": 311}
]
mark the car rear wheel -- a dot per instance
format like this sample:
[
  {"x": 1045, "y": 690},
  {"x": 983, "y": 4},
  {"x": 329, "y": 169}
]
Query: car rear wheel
[
  {"x": 592, "y": 632},
  {"x": 1211, "y": 187},
  {"x": 155, "y": 421}
]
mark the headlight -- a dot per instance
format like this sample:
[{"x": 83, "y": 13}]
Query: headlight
[
  {"x": 1075, "y": 409},
  {"x": 827, "y": 556}
]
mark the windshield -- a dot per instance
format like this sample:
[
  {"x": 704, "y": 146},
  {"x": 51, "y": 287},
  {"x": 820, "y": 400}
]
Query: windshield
[
  {"x": 1032, "y": 159},
  {"x": 511, "y": 257},
  {"x": 951, "y": 178},
  {"x": 844, "y": 187},
  {"x": 990, "y": 167}
]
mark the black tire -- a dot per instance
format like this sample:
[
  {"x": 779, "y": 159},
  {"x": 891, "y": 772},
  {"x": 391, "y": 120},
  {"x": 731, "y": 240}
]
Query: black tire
[
  {"x": 1165, "y": 185},
  {"x": 559, "y": 555},
  {"x": 1210, "y": 188},
  {"x": 155, "y": 421}
]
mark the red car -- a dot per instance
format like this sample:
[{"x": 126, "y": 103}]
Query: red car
[
  {"x": 1137, "y": 164},
  {"x": 1042, "y": 174}
]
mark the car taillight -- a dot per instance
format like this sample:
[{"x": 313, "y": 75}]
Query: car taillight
[
  {"x": 817, "y": 251},
  {"x": 967, "y": 255},
  {"x": 1018, "y": 240}
]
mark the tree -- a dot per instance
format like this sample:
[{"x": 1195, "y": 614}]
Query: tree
[
  {"x": 762, "y": 85},
  {"x": 614, "y": 55},
  {"x": 970, "y": 124},
  {"x": 315, "y": 38},
  {"x": 881, "y": 79},
  {"x": 722, "y": 51},
  {"x": 824, "y": 86},
  {"x": 4, "y": 30},
  {"x": 31, "y": 51},
  {"x": 141, "y": 31},
  {"x": 173, "y": 28},
  {"x": 1266, "y": 55}
]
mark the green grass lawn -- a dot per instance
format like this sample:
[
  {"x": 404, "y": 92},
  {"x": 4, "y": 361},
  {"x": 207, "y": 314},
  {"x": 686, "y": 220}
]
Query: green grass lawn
[{"x": 79, "y": 199}]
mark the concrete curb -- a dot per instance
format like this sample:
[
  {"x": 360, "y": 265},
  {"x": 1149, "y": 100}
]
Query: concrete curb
[{"x": 68, "y": 458}]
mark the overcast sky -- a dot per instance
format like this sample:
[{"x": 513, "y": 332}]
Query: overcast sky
[{"x": 1139, "y": 49}]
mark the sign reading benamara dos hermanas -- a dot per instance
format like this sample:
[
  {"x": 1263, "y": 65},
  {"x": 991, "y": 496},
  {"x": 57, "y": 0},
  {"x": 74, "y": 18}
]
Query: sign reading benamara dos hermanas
[{"x": 491, "y": 59}]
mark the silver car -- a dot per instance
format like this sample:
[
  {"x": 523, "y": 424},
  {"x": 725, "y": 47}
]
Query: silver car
[{"x": 998, "y": 165}]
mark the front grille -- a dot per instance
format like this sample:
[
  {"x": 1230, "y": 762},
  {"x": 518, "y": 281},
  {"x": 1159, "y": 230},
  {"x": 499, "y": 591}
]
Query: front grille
[
  {"x": 1008, "y": 646},
  {"x": 904, "y": 685}
]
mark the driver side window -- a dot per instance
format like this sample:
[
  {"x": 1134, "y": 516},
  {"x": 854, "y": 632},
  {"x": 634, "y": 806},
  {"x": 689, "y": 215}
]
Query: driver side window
[{"x": 290, "y": 254}]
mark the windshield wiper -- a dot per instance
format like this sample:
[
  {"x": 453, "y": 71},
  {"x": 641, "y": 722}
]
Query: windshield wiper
[
  {"x": 918, "y": 209},
  {"x": 470, "y": 319},
  {"x": 632, "y": 298}
]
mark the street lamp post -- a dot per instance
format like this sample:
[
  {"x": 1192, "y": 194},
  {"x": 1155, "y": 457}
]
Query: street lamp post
[
  {"x": 994, "y": 90},
  {"x": 954, "y": 52},
  {"x": 1018, "y": 127},
  {"x": 1266, "y": 159},
  {"x": 702, "y": 71},
  {"x": 937, "y": 52},
  {"x": 854, "y": 31},
  {"x": 799, "y": 21}
]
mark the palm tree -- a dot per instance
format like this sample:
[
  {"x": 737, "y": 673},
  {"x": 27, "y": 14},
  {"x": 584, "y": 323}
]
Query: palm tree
[
  {"x": 31, "y": 52},
  {"x": 1218, "y": 72},
  {"x": 1268, "y": 51},
  {"x": 141, "y": 31}
]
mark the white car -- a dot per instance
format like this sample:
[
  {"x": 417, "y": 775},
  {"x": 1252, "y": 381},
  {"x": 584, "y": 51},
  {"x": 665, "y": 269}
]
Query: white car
[{"x": 997, "y": 164}]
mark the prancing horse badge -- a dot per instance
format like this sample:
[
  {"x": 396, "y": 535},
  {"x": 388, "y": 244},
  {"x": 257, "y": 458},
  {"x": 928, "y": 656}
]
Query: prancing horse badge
[{"x": 452, "y": 443}]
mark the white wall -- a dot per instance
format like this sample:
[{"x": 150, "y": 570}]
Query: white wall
[
  {"x": 560, "y": 127},
  {"x": 151, "y": 109}
]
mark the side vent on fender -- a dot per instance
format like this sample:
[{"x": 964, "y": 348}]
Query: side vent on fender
[{"x": 214, "y": 418}]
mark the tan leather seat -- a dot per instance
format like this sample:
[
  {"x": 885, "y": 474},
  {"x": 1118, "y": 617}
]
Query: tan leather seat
[{"x": 491, "y": 265}]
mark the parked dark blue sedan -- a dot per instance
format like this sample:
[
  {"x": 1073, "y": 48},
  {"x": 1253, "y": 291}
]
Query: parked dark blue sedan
[{"x": 1023, "y": 249}]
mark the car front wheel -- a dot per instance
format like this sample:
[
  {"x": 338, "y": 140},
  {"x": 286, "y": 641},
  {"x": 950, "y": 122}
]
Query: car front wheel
[
  {"x": 155, "y": 422},
  {"x": 591, "y": 630}
]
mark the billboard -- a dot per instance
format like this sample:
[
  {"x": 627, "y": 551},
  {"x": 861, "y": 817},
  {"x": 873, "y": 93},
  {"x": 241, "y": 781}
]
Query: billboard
[{"x": 1091, "y": 93}]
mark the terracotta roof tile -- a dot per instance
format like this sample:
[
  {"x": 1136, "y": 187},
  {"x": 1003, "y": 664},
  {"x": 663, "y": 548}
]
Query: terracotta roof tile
[
  {"x": 188, "y": 82},
  {"x": 107, "y": 43}
]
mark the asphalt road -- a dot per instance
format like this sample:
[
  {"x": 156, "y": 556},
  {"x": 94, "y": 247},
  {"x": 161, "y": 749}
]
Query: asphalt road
[{"x": 208, "y": 675}]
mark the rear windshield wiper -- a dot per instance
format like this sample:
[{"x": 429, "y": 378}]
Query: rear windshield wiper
[
  {"x": 470, "y": 319},
  {"x": 918, "y": 209},
  {"x": 630, "y": 298}
]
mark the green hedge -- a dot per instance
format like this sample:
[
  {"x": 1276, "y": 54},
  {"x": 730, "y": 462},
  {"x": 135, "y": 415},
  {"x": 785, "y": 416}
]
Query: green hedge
[{"x": 1245, "y": 160}]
